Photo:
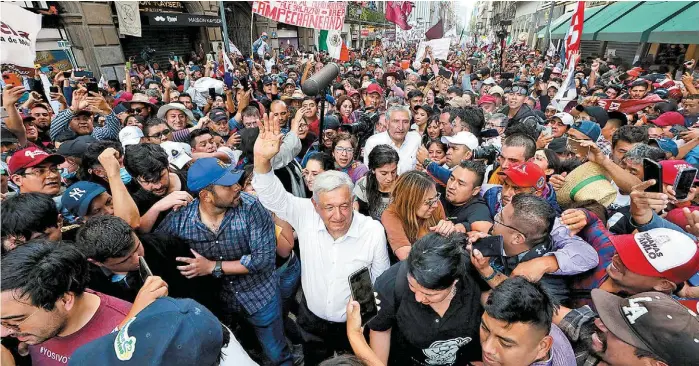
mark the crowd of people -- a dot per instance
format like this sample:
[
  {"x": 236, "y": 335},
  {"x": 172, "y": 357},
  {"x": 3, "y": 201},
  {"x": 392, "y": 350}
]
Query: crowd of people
[{"x": 204, "y": 212}]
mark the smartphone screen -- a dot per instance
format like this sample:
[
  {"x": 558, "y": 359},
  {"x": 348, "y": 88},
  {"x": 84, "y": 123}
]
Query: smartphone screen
[
  {"x": 212, "y": 93},
  {"x": 490, "y": 246},
  {"x": 653, "y": 170},
  {"x": 363, "y": 293},
  {"x": 12, "y": 79},
  {"x": 53, "y": 89},
  {"x": 80, "y": 74},
  {"x": 684, "y": 182},
  {"x": 143, "y": 269}
]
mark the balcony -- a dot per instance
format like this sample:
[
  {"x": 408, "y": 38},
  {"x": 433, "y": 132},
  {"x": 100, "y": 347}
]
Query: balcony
[{"x": 356, "y": 13}]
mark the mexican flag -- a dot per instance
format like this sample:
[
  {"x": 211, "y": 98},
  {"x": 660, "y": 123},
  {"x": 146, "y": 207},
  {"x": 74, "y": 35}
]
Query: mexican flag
[{"x": 331, "y": 41}]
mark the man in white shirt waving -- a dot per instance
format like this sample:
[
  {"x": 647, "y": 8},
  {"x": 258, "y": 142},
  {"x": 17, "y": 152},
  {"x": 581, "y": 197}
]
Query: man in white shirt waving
[
  {"x": 399, "y": 137},
  {"x": 334, "y": 240}
]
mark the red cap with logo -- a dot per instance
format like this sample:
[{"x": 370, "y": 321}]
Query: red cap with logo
[
  {"x": 660, "y": 252},
  {"x": 31, "y": 157},
  {"x": 671, "y": 168},
  {"x": 526, "y": 175},
  {"x": 486, "y": 99},
  {"x": 374, "y": 88}
]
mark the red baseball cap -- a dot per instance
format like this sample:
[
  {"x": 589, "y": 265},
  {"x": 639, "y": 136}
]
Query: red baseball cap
[
  {"x": 661, "y": 252},
  {"x": 671, "y": 168},
  {"x": 30, "y": 157},
  {"x": 526, "y": 175},
  {"x": 669, "y": 119},
  {"x": 123, "y": 97},
  {"x": 486, "y": 99},
  {"x": 636, "y": 71},
  {"x": 676, "y": 216},
  {"x": 374, "y": 88}
]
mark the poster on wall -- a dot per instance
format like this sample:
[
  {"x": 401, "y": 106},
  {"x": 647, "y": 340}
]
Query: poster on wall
[
  {"x": 325, "y": 15},
  {"x": 18, "y": 34}
]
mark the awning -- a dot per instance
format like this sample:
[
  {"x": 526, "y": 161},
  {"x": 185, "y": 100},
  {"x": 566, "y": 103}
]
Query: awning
[
  {"x": 603, "y": 19},
  {"x": 562, "y": 29},
  {"x": 637, "y": 24},
  {"x": 683, "y": 28}
]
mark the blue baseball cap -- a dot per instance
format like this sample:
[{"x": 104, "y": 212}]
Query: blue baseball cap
[
  {"x": 667, "y": 145},
  {"x": 211, "y": 171},
  {"x": 589, "y": 128},
  {"x": 76, "y": 198},
  {"x": 167, "y": 332}
]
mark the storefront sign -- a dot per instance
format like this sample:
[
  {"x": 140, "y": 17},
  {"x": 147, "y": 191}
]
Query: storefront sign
[
  {"x": 326, "y": 15},
  {"x": 365, "y": 32},
  {"x": 161, "y": 6},
  {"x": 194, "y": 20}
]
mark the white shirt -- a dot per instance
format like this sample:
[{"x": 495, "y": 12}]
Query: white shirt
[
  {"x": 407, "y": 152},
  {"x": 326, "y": 264}
]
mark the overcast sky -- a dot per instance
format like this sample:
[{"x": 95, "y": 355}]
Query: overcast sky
[{"x": 463, "y": 10}]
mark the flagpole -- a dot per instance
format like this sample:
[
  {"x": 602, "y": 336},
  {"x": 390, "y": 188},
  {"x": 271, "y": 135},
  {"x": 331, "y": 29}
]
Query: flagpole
[
  {"x": 226, "y": 46},
  {"x": 252, "y": 18},
  {"x": 547, "y": 35}
]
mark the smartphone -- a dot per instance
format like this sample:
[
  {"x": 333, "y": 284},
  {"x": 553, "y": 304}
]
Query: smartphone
[
  {"x": 653, "y": 170},
  {"x": 547, "y": 75},
  {"x": 473, "y": 61},
  {"x": 66, "y": 74},
  {"x": 81, "y": 74},
  {"x": 445, "y": 73},
  {"x": 212, "y": 93},
  {"x": 683, "y": 182},
  {"x": 548, "y": 131},
  {"x": 12, "y": 79},
  {"x": 92, "y": 87},
  {"x": 53, "y": 89},
  {"x": 143, "y": 269},
  {"x": 363, "y": 293},
  {"x": 694, "y": 280},
  {"x": 128, "y": 65},
  {"x": 490, "y": 246},
  {"x": 244, "y": 83}
]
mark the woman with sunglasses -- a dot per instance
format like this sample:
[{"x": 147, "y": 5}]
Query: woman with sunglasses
[
  {"x": 343, "y": 151},
  {"x": 415, "y": 211}
]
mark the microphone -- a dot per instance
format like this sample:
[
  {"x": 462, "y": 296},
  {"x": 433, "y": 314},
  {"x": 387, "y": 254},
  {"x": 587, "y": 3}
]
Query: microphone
[{"x": 320, "y": 80}]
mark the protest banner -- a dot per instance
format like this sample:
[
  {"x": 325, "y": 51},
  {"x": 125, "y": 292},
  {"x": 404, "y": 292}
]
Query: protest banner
[
  {"x": 326, "y": 15},
  {"x": 18, "y": 31},
  {"x": 629, "y": 105},
  {"x": 440, "y": 50}
]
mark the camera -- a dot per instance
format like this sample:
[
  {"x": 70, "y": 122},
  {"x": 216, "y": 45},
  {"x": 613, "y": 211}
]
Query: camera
[
  {"x": 487, "y": 153},
  {"x": 364, "y": 127},
  {"x": 147, "y": 54}
]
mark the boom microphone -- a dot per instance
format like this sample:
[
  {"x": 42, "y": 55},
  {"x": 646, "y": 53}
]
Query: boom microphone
[{"x": 320, "y": 80}]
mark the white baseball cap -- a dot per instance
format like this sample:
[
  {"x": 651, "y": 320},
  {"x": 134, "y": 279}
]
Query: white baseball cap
[
  {"x": 130, "y": 135},
  {"x": 566, "y": 118},
  {"x": 178, "y": 153},
  {"x": 462, "y": 138}
]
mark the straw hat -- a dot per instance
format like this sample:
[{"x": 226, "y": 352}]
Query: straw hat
[
  {"x": 587, "y": 182},
  {"x": 297, "y": 95}
]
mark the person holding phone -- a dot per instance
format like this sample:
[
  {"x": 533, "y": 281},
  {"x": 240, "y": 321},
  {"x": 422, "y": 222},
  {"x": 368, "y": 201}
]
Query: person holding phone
[{"x": 430, "y": 306}]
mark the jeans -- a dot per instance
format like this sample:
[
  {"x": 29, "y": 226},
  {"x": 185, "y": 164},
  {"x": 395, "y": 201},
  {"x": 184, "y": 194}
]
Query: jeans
[
  {"x": 289, "y": 278},
  {"x": 269, "y": 328}
]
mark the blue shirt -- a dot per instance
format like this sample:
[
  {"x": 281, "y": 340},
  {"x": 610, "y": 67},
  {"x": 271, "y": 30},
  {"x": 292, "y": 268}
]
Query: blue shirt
[{"x": 246, "y": 234}]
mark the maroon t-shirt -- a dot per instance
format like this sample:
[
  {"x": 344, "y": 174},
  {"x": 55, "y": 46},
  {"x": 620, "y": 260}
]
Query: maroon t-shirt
[{"x": 57, "y": 350}]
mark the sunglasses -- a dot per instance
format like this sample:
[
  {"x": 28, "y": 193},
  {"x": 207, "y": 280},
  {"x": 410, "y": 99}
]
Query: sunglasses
[
  {"x": 160, "y": 134},
  {"x": 520, "y": 90},
  {"x": 136, "y": 110}
]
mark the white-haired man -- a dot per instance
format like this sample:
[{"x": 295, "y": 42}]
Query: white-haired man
[
  {"x": 399, "y": 137},
  {"x": 335, "y": 242}
]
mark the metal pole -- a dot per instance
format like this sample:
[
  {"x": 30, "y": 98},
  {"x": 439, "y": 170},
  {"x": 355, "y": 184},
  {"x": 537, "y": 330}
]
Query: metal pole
[
  {"x": 548, "y": 29},
  {"x": 322, "y": 115},
  {"x": 252, "y": 18},
  {"x": 226, "y": 45}
]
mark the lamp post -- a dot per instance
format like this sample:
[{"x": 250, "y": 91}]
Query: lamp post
[{"x": 501, "y": 34}]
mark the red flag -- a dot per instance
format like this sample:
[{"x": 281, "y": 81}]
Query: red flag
[
  {"x": 436, "y": 32},
  {"x": 398, "y": 11},
  {"x": 344, "y": 52},
  {"x": 629, "y": 105},
  {"x": 575, "y": 32}
]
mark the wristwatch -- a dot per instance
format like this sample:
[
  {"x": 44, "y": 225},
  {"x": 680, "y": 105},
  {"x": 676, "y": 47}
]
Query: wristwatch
[{"x": 218, "y": 270}]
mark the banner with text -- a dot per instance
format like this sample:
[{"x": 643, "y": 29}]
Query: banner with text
[
  {"x": 327, "y": 15},
  {"x": 440, "y": 50},
  {"x": 18, "y": 32}
]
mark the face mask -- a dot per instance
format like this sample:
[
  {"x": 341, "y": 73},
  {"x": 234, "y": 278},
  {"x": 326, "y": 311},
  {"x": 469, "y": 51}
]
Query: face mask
[
  {"x": 125, "y": 176},
  {"x": 65, "y": 174}
]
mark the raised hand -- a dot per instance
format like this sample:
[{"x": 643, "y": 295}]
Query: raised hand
[{"x": 269, "y": 140}]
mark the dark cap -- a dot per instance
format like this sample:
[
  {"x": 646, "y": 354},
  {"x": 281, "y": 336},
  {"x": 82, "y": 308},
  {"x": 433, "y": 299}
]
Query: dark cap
[
  {"x": 167, "y": 332},
  {"x": 218, "y": 115},
  {"x": 331, "y": 122},
  {"x": 559, "y": 145},
  {"x": 266, "y": 80},
  {"x": 426, "y": 108},
  {"x": 77, "y": 198},
  {"x": 8, "y": 137},
  {"x": 76, "y": 147},
  {"x": 426, "y": 60},
  {"x": 651, "y": 321}
]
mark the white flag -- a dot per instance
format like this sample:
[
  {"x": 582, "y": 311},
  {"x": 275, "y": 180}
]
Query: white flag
[
  {"x": 129, "y": 18},
  {"x": 18, "y": 38},
  {"x": 567, "y": 92}
]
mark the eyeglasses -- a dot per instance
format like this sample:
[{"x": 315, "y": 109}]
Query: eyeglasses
[
  {"x": 42, "y": 171},
  {"x": 136, "y": 110},
  {"x": 342, "y": 150},
  {"x": 15, "y": 327},
  {"x": 498, "y": 220},
  {"x": 520, "y": 90},
  {"x": 433, "y": 200},
  {"x": 160, "y": 134}
]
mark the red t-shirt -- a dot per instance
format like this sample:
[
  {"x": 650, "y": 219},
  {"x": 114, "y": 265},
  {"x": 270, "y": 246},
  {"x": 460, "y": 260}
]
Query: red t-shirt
[
  {"x": 314, "y": 126},
  {"x": 57, "y": 350}
]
